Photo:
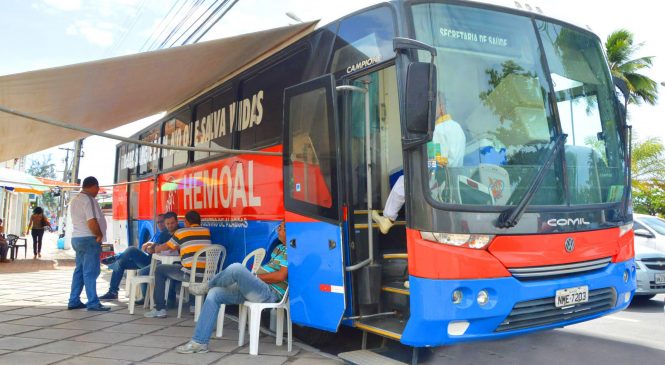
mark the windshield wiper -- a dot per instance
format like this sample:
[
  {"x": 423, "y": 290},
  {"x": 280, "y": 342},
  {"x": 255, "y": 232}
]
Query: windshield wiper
[{"x": 509, "y": 217}]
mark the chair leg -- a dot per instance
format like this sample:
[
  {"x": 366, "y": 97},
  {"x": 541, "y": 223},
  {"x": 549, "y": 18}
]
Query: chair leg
[
  {"x": 198, "y": 299},
  {"x": 220, "y": 321},
  {"x": 254, "y": 330},
  {"x": 289, "y": 329},
  {"x": 242, "y": 324},
  {"x": 182, "y": 291},
  {"x": 279, "y": 327},
  {"x": 132, "y": 297},
  {"x": 148, "y": 298},
  {"x": 128, "y": 279}
]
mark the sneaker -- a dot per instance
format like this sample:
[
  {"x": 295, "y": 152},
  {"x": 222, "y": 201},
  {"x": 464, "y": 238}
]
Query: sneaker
[
  {"x": 77, "y": 306},
  {"x": 384, "y": 223},
  {"x": 109, "y": 296},
  {"x": 100, "y": 308},
  {"x": 192, "y": 347},
  {"x": 109, "y": 260},
  {"x": 155, "y": 313}
]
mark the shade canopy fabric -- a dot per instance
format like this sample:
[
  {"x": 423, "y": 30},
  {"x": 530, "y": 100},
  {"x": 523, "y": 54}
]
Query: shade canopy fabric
[
  {"x": 20, "y": 182},
  {"x": 110, "y": 93}
]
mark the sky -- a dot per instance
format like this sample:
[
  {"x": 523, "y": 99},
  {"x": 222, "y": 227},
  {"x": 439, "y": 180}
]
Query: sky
[{"x": 48, "y": 33}]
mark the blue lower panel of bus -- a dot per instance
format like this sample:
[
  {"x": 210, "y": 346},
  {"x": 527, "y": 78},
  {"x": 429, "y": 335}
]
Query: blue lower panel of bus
[{"x": 514, "y": 307}]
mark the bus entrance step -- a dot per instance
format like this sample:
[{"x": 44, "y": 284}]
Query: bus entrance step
[
  {"x": 367, "y": 357},
  {"x": 389, "y": 327}
]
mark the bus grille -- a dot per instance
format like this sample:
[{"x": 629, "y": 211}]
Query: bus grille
[
  {"x": 539, "y": 272},
  {"x": 541, "y": 312}
]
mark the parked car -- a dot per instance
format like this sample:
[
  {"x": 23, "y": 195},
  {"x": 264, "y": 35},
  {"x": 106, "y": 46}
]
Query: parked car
[
  {"x": 649, "y": 231},
  {"x": 650, "y": 265}
]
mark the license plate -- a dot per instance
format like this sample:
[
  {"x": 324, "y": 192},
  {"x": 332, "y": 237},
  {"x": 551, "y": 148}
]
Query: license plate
[
  {"x": 571, "y": 296},
  {"x": 660, "y": 278}
]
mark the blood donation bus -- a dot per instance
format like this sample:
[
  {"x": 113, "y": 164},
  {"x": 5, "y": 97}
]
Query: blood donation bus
[{"x": 529, "y": 230}]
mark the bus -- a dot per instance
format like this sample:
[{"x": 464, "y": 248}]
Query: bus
[{"x": 530, "y": 230}]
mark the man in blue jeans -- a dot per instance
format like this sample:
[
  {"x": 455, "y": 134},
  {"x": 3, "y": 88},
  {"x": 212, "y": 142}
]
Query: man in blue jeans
[
  {"x": 134, "y": 258},
  {"x": 88, "y": 232},
  {"x": 235, "y": 285}
]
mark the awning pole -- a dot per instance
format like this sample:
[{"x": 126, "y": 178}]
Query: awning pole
[{"x": 132, "y": 140}]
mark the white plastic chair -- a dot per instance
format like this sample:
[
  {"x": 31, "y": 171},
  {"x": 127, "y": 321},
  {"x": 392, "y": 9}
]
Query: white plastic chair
[
  {"x": 133, "y": 281},
  {"x": 255, "y": 310},
  {"x": 212, "y": 260},
  {"x": 258, "y": 256}
]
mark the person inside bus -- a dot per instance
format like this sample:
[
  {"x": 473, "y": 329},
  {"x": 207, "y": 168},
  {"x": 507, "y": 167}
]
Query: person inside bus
[
  {"x": 235, "y": 285},
  {"x": 134, "y": 258},
  {"x": 187, "y": 241},
  {"x": 446, "y": 149}
]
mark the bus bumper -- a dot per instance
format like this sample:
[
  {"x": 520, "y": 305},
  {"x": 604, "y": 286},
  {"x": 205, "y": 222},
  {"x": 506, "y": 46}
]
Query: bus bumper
[{"x": 435, "y": 320}]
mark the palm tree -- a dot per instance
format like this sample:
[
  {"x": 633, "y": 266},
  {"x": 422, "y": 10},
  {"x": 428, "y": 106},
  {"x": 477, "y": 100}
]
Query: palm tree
[{"x": 620, "y": 48}]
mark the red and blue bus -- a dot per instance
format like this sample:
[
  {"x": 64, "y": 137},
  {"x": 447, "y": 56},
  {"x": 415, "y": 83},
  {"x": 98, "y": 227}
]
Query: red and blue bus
[{"x": 530, "y": 231}]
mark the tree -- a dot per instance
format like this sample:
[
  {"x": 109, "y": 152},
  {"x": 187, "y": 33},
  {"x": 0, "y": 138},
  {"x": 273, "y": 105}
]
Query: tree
[
  {"x": 43, "y": 167},
  {"x": 620, "y": 49},
  {"x": 648, "y": 176}
]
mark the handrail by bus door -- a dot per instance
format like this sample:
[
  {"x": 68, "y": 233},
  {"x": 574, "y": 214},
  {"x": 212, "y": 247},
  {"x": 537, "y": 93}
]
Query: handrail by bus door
[{"x": 368, "y": 172}]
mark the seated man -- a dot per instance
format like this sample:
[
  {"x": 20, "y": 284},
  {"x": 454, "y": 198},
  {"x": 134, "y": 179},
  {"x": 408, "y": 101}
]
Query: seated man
[
  {"x": 235, "y": 285},
  {"x": 187, "y": 241},
  {"x": 134, "y": 258},
  {"x": 448, "y": 146},
  {"x": 4, "y": 247}
]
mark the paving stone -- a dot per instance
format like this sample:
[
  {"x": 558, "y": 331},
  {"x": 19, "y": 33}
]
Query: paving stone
[
  {"x": 319, "y": 361},
  {"x": 173, "y": 357},
  {"x": 165, "y": 342},
  {"x": 134, "y": 328},
  {"x": 105, "y": 337},
  {"x": 84, "y": 360},
  {"x": 272, "y": 349},
  {"x": 168, "y": 321},
  {"x": 240, "y": 359},
  {"x": 32, "y": 358},
  {"x": 20, "y": 343},
  {"x": 33, "y": 311},
  {"x": 85, "y": 324},
  {"x": 53, "y": 333},
  {"x": 223, "y": 345},
  {"x": 7, "y": 318},
  {"x": 121, "y": 352},
  {"x": 68, "y": 347},
  {"x": 73, "y": 314},
  {"x": 39, "y": 321},
  {"x": 116, "y": 317},
  {"x": 186, "y": 332},
  {"x": 12, "y": 329}
]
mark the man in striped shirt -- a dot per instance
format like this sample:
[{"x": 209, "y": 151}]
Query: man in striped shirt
[
  {"x": 187, "y": 241},
  {"x": 235, "y": 285}
]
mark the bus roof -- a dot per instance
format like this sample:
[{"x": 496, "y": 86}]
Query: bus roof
[{"x": 109, "y": 93}]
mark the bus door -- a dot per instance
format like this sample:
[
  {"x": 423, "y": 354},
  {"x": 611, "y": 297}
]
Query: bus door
[{"x": 312, "y": 203}]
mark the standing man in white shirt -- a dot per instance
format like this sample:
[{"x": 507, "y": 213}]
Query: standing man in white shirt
[{"x": 88, "y": 232}]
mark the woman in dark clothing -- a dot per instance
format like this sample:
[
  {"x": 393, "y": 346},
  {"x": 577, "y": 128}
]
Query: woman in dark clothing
[{"x": 39, "y": 223}]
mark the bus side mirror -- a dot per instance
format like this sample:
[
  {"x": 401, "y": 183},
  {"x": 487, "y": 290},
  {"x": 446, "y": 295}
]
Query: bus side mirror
[{"x": 420, "y": 105}]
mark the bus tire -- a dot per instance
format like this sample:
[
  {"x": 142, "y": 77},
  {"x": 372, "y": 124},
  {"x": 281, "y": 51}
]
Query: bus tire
[{"x": 312, "y": 336}]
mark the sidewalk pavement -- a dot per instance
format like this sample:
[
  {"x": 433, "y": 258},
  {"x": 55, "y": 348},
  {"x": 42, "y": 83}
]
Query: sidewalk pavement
[{"x": 37, "y": 328}]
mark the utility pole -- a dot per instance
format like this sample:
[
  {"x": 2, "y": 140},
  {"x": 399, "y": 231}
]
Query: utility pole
[
  {"x": 78, "y": 153},
  {"x": 65, "y": 173}
]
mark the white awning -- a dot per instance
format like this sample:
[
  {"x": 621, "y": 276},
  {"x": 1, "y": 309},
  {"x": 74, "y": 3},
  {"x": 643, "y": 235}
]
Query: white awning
[{"x": 106, "y": 94}]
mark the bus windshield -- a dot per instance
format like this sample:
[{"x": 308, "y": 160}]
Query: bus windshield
[{"x": 502, "y": 98}]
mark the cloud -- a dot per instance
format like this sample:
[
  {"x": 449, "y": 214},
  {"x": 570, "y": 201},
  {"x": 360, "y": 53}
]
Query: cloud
[
  {"x": 98, "y": 33},
  {"x": 64, "y": 5}
]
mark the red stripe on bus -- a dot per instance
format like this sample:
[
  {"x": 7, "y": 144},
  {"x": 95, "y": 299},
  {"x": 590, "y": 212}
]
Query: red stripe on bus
[
  {"x": 325, "y": 288},
  {"x": 294, "y": 217}
]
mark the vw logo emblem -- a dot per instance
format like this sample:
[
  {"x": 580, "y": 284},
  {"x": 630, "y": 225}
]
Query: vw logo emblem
[{"x": 570, "y": 244}]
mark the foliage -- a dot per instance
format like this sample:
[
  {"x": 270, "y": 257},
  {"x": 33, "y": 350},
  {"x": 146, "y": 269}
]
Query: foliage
[
  {"x": 43, "y": 167},
  {"x": 620, "y": 49},
  {"x": 648, "y": 176}
]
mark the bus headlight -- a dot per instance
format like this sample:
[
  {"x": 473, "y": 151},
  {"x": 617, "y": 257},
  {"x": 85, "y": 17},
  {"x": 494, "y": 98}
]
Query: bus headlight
[
  {"x": 483, "y": 298},
  {"x": 625, "y": 229},
  {"x": 477, "y": 241}
]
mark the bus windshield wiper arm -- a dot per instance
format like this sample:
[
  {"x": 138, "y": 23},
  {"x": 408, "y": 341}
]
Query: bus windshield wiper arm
[{"x": 509, "y": 217}]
